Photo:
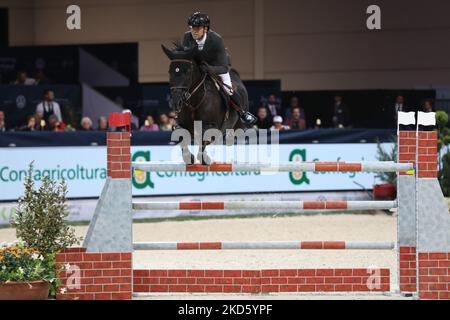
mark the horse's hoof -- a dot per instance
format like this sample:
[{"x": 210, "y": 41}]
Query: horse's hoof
[{"x": 205, "y": 159}]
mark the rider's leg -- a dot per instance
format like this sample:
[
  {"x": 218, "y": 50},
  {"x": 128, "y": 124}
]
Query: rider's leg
[{"x": 246, "y": 116}]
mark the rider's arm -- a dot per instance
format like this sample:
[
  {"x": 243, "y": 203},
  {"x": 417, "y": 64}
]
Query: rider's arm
[{"x": 221, "y": 62}]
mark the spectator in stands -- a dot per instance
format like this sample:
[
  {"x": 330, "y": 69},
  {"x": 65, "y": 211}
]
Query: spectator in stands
[
  {"x": 54, "y": 125},
  {"x": 40, "y": 123},
  {"x": 390, "y": 114},
  {"x": 427, "y": 106},
  {"x": 164, "y": 124},
  {"x": 400, "y": 104},
  {"x": 274, "y": 105},
  {"x": 102, "y": 124},
  {"x": 294, "y": 103},
  {"x": 296, "y": 122},
  {"x": 22, "y": 78},
  {"x": 86, "y": 124},
  {"x": 278, "y": 124},
  {"x": 41, "y": 78},
  {"x": 132, "y": 125},
  {"x": 341, "y": 116},
  {"x": 2, "y": 122},
  {"x": 149, "y": 125},
  {"x": 172, "y": 114},
  {"x": 49, "y": 106},
  {"x": 172, "y": 119},
  {"x": 264, "y": 118},
  {"x": 31, "y": 125}
]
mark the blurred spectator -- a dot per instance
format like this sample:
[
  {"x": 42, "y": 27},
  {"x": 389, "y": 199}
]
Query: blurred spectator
[
  {"x": 400, "y": 104},
  {"x": 22, "y": 78},
  {"x": 2, "y": 122},
  {"x": 41, "y": 78},
  {"x": 278, "y": 124},
  {"x": 172, "y": 120},
  {"x": 31, "y": 125},
  {"x": 86, "y": 124},
  {"x": 264, "y": 118},
  {"x": 54, "y": 125},
  {"x": 296, "y": 122},
  {"x": 172, "y": 114},
  {"x": 132, "y": 125},
  {"x": 294, "y": 103},
  {"x": 427, "y": 106},
  {"x": 40, "y": 123},
  {"x": 341, "y": 117},
  {"x": 102, "y": 124},
  {"x": 392, "y": 111},
  {"x": 164, "y": 124},
  {"x": 149, "y": 125},
  {"x": 274, "y": 105},
  {"x": 49, "y": 107}
]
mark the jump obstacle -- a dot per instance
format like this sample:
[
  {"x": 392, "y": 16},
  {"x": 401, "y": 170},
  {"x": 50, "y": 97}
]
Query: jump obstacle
[
  {"x": 422, "y": 246},
  {"x": 266, "y": 245}
]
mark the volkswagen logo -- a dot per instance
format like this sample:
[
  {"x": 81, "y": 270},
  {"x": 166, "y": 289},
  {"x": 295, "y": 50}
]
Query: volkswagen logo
[{"x": 21, "y": 102}]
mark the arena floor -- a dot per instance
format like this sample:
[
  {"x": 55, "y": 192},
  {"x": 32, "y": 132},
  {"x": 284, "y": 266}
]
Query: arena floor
[{"x": 364, "y": 227}]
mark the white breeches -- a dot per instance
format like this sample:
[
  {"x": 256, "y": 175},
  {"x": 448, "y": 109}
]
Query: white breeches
[{"x": 227, "y": 80}]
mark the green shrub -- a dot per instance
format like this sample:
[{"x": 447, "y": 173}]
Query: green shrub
[
  {"x": 40, "y": 217},
  {"x": 383, "y": 155}
]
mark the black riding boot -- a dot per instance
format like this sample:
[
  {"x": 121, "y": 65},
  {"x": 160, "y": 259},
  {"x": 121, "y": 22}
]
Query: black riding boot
[{"x": 245, "y": 116}]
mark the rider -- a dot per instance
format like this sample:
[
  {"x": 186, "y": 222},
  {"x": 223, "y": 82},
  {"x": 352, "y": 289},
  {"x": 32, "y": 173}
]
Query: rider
[{"x": 213, "y": 52}]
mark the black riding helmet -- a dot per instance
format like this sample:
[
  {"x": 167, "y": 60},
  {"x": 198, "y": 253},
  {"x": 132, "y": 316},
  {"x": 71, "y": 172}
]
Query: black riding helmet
[{"x": 198, "y": 19}]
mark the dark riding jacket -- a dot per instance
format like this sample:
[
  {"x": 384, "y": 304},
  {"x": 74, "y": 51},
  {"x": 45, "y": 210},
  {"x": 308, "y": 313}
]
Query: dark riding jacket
[{"x": 213, "y": 52}]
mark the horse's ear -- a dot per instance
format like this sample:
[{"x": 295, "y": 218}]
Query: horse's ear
[{"x": 168, "y": 52}]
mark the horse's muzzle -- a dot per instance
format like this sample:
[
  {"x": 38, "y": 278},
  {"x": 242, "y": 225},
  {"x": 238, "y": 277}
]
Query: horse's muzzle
[{"x": 178, "y": 99}]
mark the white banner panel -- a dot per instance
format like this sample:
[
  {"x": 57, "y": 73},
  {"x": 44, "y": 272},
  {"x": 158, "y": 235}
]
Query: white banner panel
[{"x": 84, "y": 168}]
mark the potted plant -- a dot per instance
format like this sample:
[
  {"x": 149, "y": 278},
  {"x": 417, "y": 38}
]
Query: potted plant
[
  {"x": 24, "y": 273},
  {"x": 388, "y": 189},
  {"x": 28, "y": 268}
]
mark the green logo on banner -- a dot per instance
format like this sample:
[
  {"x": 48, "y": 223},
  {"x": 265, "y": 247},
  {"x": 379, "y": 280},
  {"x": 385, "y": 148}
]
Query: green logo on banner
[
  {"x": 298, "y": 177},
  {"x": 141, "y": 179}
]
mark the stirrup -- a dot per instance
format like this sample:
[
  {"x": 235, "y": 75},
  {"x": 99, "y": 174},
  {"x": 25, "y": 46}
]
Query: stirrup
[{"x": 248, "y": 118}]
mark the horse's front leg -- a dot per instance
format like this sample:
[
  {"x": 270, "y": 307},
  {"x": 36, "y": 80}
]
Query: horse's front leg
[
  {"x": 188, "y": 157},
  {"x": 202, "y": 156}
]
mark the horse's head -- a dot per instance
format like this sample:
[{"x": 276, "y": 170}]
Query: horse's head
[{"x": 183, "y": 72}]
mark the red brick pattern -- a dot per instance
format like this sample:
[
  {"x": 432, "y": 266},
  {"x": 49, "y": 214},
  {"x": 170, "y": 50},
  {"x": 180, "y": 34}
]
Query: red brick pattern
[
  {"x": 427, "y": 155},
  {"x": 118, "y": 154},
  {"x": 102, "y": 276},
  {"x": 408, "y": 269},
  {"x": 258, "y": 281},
  {"x": 434, "y": 275},
  {"x": 407, "y": 148}
]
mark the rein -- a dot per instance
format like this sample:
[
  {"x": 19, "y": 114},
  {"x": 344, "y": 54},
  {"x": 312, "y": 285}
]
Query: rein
[{"x": 188, "y": 94}]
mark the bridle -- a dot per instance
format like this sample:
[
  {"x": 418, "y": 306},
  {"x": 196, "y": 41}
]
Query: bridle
[{"x": 187, "y": 95}]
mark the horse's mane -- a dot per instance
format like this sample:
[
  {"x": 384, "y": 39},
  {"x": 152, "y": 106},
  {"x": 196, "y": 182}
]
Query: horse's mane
[
  {"x": 184, "y": 52},
  {"x": 177, "y": 46}
]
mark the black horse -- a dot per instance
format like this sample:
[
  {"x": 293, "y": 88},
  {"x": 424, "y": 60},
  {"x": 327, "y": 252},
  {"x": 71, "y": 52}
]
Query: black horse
[{"x": 195, "y": 97}]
